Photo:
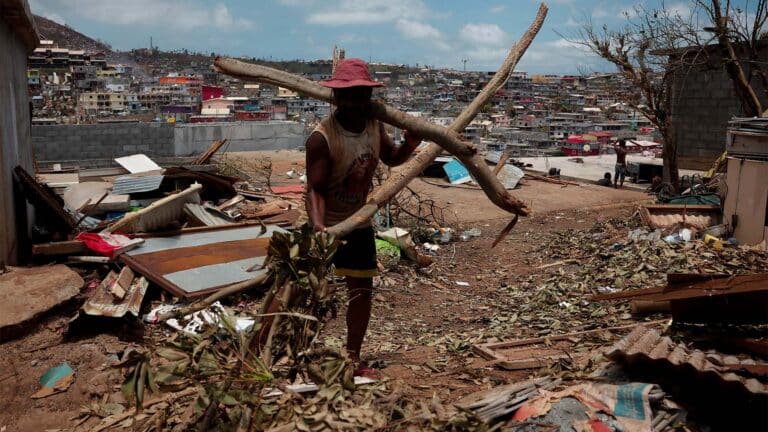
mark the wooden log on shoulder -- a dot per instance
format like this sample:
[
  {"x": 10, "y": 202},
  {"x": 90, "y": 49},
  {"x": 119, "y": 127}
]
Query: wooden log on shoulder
[{"x": 446, "y": 138}]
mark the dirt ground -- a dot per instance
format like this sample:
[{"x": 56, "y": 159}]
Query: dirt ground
[{"x": 417, "y": 325}]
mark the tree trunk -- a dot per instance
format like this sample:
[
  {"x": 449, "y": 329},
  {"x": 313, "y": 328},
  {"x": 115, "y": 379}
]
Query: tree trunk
[
  {"x": 670, "y": 172},
  {"x": 447, "y": 138}
]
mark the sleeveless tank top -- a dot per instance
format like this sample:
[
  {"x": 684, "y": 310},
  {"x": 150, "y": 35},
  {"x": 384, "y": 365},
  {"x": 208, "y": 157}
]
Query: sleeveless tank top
[{"x": 354, "y": 157}]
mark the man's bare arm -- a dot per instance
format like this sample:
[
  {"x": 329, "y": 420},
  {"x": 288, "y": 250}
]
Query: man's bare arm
[
  {"x": 393, "y": 155},
  {"x": 318, "y": 173}
]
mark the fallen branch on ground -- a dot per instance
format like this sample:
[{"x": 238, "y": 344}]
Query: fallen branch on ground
[{"x": 551, "y": 180}]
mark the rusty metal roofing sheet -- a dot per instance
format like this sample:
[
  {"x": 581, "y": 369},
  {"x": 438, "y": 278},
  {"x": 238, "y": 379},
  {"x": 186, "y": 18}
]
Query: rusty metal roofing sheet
[
  {"x": 193, "y": 264},
  {"x": 647, "y": 344},
  {"x": 126, "y": 185},
  {"x": 667, "y": 215}
]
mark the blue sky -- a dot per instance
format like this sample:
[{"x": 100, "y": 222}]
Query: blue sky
[{"x": 433, "y": 32}]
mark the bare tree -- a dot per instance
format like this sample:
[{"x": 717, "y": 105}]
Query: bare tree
[
  {"x": 658, "y": 46},
  {"x": 639, "y": 51},
  {"x": 739, "y": 34}
]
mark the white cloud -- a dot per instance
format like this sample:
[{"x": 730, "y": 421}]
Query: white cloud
[
  {"x": 417, "y": 30},
  {"x": 483, "y": 34},
  {"x": 562, "y": 56},
  {"x": 173, "y": 14},
  {"x": 571, "y": 22},
  {"x": 350, "y": 12},
  {"x": 497, "y": 9},
  {"x": 680, "y": 9}
]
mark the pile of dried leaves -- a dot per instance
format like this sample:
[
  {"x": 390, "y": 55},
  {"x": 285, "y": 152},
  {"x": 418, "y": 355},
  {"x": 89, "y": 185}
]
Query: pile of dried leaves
[
  {"x": 224, "y": 378},
  {"x": 603, "y": 259}
]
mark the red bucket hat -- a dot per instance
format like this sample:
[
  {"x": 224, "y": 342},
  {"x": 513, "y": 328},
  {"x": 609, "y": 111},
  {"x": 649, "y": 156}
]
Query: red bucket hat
[{"x": 351, "y": 72}]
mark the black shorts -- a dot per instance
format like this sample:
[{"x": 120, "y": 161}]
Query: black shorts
[{"x": 356, "y": 257}]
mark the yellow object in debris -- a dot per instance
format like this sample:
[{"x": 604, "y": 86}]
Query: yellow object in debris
[{"x": 713, "y": 241}]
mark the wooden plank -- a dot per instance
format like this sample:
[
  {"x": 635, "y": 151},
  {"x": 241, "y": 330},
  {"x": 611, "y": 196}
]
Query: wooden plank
[
  {"x": 696, "y": 287},
  {"x": 59, "y": 248},
  {"x": 716, "y": 287}
]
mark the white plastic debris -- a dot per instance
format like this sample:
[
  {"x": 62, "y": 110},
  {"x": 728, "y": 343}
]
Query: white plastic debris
[{"x": 197, "y": 319}]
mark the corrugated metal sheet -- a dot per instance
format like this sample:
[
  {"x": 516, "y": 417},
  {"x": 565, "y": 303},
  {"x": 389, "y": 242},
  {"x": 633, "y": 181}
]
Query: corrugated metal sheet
[
  {"x": 126, "y": 185},
  {"x": 645, "y": 344},
  {"x": 203, "y": 216},
  {"x": 665, "y": 216}
]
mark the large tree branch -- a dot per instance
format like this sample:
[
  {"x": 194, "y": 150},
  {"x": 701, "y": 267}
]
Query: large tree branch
[
  {"x": 446, "y": 138},
  {"x": 749, "y": 100}
]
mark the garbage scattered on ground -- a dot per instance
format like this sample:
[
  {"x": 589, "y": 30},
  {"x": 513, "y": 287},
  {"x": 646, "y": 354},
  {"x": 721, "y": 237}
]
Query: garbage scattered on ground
[
  {"x": 55, "y": 380},
  {"x": 544, "y": 314},
  {"x": 470, "y": 234}
]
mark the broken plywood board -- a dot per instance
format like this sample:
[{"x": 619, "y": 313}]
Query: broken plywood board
[
  {"x": 194, "y": 264},
  {"x": 28, "y": 292},
  {"x": 669, "y": 215},
  {"x": 159, "y": 214},
  {"x": 59, "y": 180},
  {"x": 88, "y": 197},
  {"x": 104, "y": 303},
  {"x": 138, "y": 163}
]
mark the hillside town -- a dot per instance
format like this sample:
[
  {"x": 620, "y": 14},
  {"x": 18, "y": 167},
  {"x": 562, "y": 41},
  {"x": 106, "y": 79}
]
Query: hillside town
[
  {"x": 531, "y": 115},
  {"x": 197, "y": 240}
]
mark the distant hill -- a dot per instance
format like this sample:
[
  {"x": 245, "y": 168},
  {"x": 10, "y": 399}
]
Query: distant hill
[{"x": 67, "y": 37}]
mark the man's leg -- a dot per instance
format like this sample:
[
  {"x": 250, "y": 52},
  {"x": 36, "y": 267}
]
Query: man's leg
[
  {"x": 358, "y": 313},
  {"x": 623, "y": 174},
  {"x": 616, "y": 173}
]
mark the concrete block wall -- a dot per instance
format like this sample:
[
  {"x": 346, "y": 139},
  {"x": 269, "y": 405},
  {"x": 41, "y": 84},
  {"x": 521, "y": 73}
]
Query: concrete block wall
[
  {"x": 112, "y": 140},
  {"x": 192, "y": 139},
  {"x": 102, "y": 141},
  {"x": 704, "y": 101}
]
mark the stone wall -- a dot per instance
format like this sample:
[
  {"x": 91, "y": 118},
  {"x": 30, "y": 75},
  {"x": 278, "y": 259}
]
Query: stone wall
[
  {"x": 703, "y": 103},
  {"x": 102, "y": 141}
]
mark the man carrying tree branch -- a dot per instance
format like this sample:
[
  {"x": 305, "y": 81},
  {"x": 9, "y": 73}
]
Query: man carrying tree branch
[{"x": 342, "y": 154}]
